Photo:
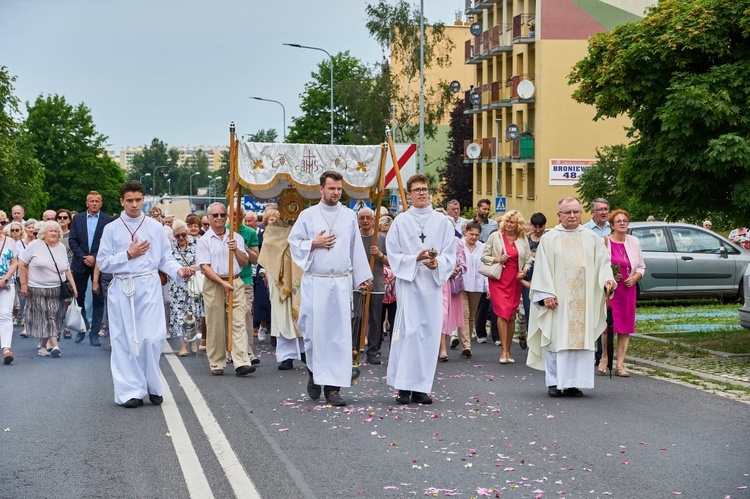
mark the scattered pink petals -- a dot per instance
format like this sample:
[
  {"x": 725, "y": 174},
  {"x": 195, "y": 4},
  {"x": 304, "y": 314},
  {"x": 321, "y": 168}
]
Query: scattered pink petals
[
  {"x": 550, "y": 416},
  {"x": 509, "y": 469},
  {"x": 625, "y": 461},
  {"x": 483, "y": 491},
  {"x": 390, "y": 487}
]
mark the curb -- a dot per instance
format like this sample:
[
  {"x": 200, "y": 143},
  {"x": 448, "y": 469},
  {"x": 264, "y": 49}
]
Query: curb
[{"x": 666, "y": 367}]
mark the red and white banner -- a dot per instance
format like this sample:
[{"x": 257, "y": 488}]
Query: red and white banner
[{"x": 407, "y": 163}]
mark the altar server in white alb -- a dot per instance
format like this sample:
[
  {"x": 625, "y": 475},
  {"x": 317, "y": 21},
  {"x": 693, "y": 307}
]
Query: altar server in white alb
[
  {"x": 571, "y": 271},
  {"x": 422, "y": 253},
  {"x": 326, "y": 245},
  {"x": 133, "y": 248}
]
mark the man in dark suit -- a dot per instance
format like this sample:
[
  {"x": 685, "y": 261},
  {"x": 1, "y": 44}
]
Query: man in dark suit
[{"x": 85, "y": 233}]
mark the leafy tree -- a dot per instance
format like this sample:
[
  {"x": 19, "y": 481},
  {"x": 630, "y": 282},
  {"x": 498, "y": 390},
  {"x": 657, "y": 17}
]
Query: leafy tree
[
  {"x": 261, "y": 135},
  {"x": 396, "y": 29},
  {"x": 361, "y": 104},
  {"x": 146, "y": 161},
  {"x": 22, "y": 174},
  {"x": 72, "y": 153},
  {"x": 457, "y": 177},
  {"x": 682, "y": 76}
]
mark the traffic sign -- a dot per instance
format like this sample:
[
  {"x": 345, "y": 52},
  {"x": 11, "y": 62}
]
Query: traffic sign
[
  {"x": 358, "y": 204},
  {"x": 251, "y": 203},
  {"x": 147, "y": 207},
  {"x": 500, "y": 205}
]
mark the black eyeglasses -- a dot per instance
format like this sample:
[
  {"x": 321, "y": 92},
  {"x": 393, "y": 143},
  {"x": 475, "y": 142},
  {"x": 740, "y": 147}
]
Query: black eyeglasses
[
  {"x": 206, "y": 224},
  {"x": 63, "y": 218},
  {"x": 180, "y": 236},
  {"x": 420, "y": 190},
  {"x": 219, "y": 215}
]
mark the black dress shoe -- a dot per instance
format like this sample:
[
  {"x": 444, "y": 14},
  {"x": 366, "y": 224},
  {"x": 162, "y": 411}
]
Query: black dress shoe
[
  {"x": 313, "y": 390},
  {"x": 244, "y": 370},
  {"x": 303, "y": 358},
  {"x": 67, "y": 335},
  {"x": 217, "y": 372},
  {"x": 404, "y": 397},
  {"x": 420, "y": 398},
  {"x": 254, "y": 361},
  {"x": 572, "y": 392},
  {"x": 80, "y": 337},
  {"x": 334, "y": 398},
  {"x": 132, "y": 403},
  {"x": 355, "y": 373},
  {"x": 94, "y": 342},
  {"x": 286, "y": 365},
  {"x": 553, "y": 391},
  {"x": 155, "y": 399},
  {"x": 374, "y": 360}
]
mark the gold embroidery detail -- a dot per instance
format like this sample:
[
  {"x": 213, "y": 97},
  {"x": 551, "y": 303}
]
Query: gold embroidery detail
[{"x": 258, "y": 165}]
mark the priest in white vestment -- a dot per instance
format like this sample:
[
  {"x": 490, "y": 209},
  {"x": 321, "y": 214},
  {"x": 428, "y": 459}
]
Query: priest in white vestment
[
  {"x": 571, "y": 270},
  {"x": 326, "y": 245},
  {"x": 134, "y": 247},
  {"x": 420, "y": 275}
]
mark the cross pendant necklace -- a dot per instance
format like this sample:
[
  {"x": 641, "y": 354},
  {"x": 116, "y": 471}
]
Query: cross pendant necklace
[
  {"x": 421, "y": 226},
  {"x": 330, "y": 226}
]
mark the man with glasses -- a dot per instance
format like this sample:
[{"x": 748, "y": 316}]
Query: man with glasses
[
  {"x": 212, "y": 255},
  {"x": 599, "y": 222},
  {"x": 205, "y": 224},
  {"x": 571, "y": 271},
  {"x": 133, "y": 248},
  {"x": 85, "y": 234},
  {"x": 422, "y": 254},
  {"x": 325, "y": 244}
]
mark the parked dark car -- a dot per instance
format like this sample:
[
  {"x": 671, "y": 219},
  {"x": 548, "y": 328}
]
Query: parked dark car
[
  {"x": 745, "y": 310},
  {"x": 686, "y": 260}
]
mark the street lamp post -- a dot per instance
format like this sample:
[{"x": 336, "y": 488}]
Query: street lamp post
[
  {"x": 298, "y": 46},
  {"x": 144, "y": 176},
  {"x": 283, "y": 109},
  {"x": 153, "y": 185},
  {"x": 209, "y": 187},
  {"x": 169, "y": 188},
  {"x": 191, "y": 182}
]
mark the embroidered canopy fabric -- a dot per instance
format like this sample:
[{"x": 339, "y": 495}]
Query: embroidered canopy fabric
[{"x": 268, "y": 168}]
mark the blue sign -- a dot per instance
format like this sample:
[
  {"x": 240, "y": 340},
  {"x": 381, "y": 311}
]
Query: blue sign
[
  {"x": 358, "y": 204},
  {"x": 500, "y": 205},
  {"x": 251, "y": 203},
  {"x": 147, "y": 207}
]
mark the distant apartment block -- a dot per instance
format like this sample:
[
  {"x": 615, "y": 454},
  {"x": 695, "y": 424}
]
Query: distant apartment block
[{"x": 213, "y": 153}]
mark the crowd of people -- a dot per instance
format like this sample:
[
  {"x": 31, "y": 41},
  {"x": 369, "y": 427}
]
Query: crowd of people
[{"x": 375, "y": 275}]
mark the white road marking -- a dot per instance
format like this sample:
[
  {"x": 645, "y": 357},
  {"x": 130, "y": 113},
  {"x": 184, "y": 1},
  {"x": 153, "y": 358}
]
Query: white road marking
[
  {"x": 195, "y": 477},
  {"x": 238, "y": 478}
]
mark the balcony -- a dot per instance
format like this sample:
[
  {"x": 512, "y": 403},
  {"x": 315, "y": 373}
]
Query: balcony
[
  {"x": 469, "y": 108},
  {"x": 492, "y": 42},
  {"x": 520, "y": 150},
  {"x": 473, "y": 7},
  {"x": 514, "y": 81},
  {"x": 499, "y": 95},
  {"x": 524, "y": 28}
]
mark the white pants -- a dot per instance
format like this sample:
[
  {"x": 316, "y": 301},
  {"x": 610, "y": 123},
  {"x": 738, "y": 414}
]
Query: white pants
[
  {"x": 7, "y": 298},
  {"x": 569, "y": 369},
  {"x": 289, "y": 349}
]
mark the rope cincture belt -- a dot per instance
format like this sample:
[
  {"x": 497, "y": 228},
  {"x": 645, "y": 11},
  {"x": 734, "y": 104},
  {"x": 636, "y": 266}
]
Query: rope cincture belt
[
  {"x": 127, "y": 283},
  {"x": 345, "y": 274}
]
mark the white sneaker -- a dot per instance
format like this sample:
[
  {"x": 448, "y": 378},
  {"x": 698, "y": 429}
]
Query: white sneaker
[
  {"x": 454, "y": 341},
  {"x": 482, "y": 340},
  {"x": 498, "y": 343},
  {"x": 262, "y": 334}
]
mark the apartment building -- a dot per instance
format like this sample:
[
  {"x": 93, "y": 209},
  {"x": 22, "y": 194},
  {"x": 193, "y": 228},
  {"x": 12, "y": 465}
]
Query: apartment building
[
  {"x": 533, "y": 141},
  {"x": 212, "y": 152}
]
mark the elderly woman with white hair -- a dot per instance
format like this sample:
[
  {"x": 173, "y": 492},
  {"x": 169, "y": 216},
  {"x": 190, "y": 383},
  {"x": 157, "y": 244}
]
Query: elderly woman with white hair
[
  {"x": 183, "y": 250},
  {"x": 28, "y": 235},
  {"x": 43, "y": 264}
]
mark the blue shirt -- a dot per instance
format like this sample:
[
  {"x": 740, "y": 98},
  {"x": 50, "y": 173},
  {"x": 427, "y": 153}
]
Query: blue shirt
[
  {"x": 91, "y": 221},
  {"x": 599, "y": 231}
]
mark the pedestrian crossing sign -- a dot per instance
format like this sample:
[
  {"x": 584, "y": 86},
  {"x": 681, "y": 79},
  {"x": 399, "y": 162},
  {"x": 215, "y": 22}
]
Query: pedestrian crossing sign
[{"x": 500, "y": 205}]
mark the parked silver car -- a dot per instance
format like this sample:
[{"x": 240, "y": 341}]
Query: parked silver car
[
  {"x": 687, "y": 260},
  {"x": 745, "y": 310}
]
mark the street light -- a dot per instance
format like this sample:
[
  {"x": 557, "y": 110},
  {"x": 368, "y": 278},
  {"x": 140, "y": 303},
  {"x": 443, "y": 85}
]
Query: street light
[
  {"x": 169, "y": 189},
  {"x": 209, "y": 188},
  {"x": 143, "y": 176},
  {"x": 283, "y": 109},
  {"x": 153, "y": 185},
  {"x": 298, "y": 46},
  {"x": 191, "y": 182}
]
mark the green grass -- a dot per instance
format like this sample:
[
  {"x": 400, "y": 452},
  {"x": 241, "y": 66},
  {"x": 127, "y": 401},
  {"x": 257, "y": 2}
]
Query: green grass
[{"x": 733, "y": 340}]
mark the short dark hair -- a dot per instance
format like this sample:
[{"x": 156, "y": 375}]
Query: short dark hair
[
  {"x": 472, "y": 226},
  {"x": 332, "y": 175},
  {"x": 417, "y": 178},
  {"x": 538, "y": 219},
  {"x": 130, "y": 186},
  {"x": 483, "y": 201}
]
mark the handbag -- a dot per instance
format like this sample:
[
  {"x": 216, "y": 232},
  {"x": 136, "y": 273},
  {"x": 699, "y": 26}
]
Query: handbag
[
  {"x": 66, "y": 289},
  {"x": 74, "y": 319},
  {"x": 194, "y": 284},
  {"x": 457, "y": 284},
  {"x": 493, "y": 271}
]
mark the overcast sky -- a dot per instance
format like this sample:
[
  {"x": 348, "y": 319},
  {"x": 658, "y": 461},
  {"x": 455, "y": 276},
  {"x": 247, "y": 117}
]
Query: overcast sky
[{"x": 181, "y": 70}]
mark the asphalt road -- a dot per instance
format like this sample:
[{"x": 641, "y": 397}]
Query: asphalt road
[{"x": 492, "y": 432}]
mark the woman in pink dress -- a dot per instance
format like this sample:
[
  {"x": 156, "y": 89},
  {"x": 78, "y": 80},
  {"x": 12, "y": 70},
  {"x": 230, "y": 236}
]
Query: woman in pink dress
[
  {"x": 625, "y": 251},
  {"x": 453, "y": 312},
  {"x": 507, "y": 246}
]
